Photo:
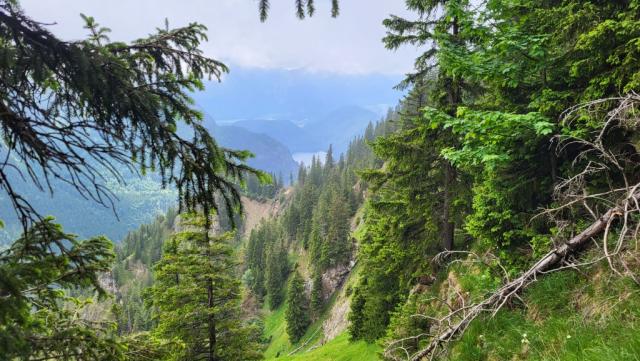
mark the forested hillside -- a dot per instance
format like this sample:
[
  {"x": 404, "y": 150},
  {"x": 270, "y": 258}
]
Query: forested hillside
[
  {"x": 493, "y": 214},
  {"x": 515, "y": 156},
  {"x": 297, "y": 264}
]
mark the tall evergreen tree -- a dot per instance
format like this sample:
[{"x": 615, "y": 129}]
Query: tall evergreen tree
[
  {"x": 196, "y": 297},
  {"x": 277, "y": 269},
  {"x": 317, "y": 301},
  {"x": 297, "y": 313}
]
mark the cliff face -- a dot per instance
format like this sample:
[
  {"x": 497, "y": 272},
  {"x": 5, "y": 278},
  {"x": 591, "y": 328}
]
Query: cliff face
[{"x": 255, "y": 211}]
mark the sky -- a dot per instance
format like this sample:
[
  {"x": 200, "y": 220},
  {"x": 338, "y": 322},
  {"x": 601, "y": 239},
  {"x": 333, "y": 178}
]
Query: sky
[{"x": 350, "y": 44}]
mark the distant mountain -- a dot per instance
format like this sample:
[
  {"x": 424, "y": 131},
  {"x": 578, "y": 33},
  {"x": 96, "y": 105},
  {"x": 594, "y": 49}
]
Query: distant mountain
[
  {"x": 141, "y": 199},
  {"x": 269, "y": 154},
  {"x": 340, "y": 126},
  {"x": 284, "y": 131},
  {"x": 296, "y": 95},
  {"x": 337, "y": 127},
  {"x": 138, "y": 202}
]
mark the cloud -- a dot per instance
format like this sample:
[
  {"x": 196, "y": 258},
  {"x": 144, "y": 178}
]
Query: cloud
[{"x": 350, "y": 44}]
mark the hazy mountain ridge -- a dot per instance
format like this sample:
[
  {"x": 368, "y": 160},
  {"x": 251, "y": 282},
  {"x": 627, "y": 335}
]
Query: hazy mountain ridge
[
  {"x": 269, "y": 154},
  {"x": 337, "y": 128},
  {"x": 341, "y": 125},
  {"x": 296, "y": 138},
  {"x": 296, "y": 95}
]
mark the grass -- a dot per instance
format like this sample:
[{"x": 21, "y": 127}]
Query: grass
[
  {"x": 275, "y": 329},
  {"x": 568, "y": 317},
  {"x": 339, "y": 349}
]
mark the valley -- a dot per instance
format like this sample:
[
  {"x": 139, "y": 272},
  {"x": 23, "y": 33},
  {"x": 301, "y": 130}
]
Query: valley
[{"x": 384, "y": 180}]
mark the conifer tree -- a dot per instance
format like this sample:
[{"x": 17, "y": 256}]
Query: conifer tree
[
  {"x": 317, "y": 300},
  {"x": 441, "y": 24},
  {"x": 38, "y": 319},
  {"x": 83, "y": 110},
  {"x": 196, "y": 297},
  {"x": 277, "y": 269},
  {"x": 297, "y": 314}
]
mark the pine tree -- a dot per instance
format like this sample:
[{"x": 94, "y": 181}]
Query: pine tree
[
  {"x": 38, "y": 317},
  {"x": 196, "y": 297},
  {"x": 277, "y": 269},
  {"x": 317, "y": 301},
  {"x": 297, "y": 314},
  {"x": 328, "y": 160}
]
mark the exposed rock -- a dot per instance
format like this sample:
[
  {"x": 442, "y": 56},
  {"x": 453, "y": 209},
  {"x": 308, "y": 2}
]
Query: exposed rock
[
  {"x": 333, "y": 278},
  {"x": 337, "y": 320},
  {"x": 255, "y": 211},
  {"x": 107, "y": 282}
]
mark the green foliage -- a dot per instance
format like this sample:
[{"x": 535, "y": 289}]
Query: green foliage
[
  {"x": 404, "y": 217},
  {"x": 476, "y": 145},
  {"x": 196, "y": 300},
  {"x": 277, "y": 270},
  {"x": 329, "y": 242},
  {"x": 297, "y": 313},
  {"x": 38, "y": 317},
  {"x": 123, "y": 102},
  {"x": 261, "y": 189},
  {"x": 135, "y": 256},
  {"x": 317, "y": 301}
]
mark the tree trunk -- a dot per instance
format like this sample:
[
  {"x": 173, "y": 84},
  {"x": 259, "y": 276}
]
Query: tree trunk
[
  {"x": 448, "y": 226},
  {"x": 212, "y": 323},
  {"x": 210, "y": 300}
]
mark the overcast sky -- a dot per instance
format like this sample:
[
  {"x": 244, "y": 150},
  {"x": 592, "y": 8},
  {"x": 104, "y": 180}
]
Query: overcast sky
[{"x": 349, "y": 44}]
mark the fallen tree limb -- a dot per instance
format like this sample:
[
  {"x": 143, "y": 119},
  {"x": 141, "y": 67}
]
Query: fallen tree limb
[{"x": 494, "y": 302}]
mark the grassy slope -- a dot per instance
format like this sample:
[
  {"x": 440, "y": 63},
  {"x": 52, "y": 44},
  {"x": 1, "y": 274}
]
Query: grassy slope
[
  {"x": 275, "y": 329},
  {"x": 568, "y": 316},
  {"x": 337, "y": 349}
]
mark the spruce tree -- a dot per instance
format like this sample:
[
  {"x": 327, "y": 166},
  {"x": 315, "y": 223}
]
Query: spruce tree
[
  {"x": 38, "y": 319},
  {"x": 196, "y": 297},
  {"x": 297, "y": 314},
  {"x": 317, "y": 301},
  {"x": 109, "y": 108},
  {"x": 277, "y": 269}
]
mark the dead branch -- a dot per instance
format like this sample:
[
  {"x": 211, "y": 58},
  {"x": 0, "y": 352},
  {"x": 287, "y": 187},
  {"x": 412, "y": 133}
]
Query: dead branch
[{"x": 494, "y": 302}]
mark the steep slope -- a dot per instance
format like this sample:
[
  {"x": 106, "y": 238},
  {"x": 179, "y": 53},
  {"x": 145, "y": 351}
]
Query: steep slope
[{"x": 330, "y": 325}]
